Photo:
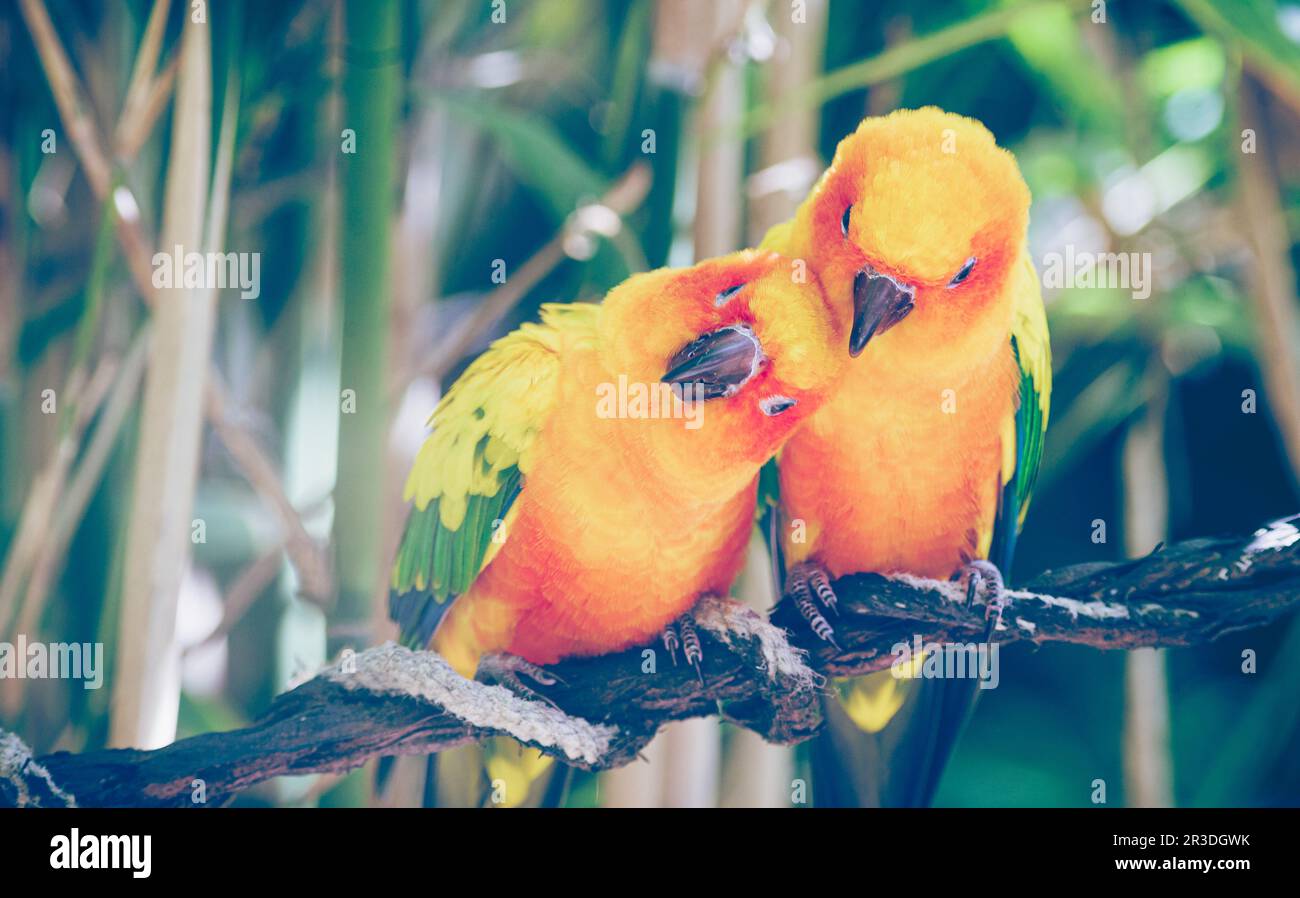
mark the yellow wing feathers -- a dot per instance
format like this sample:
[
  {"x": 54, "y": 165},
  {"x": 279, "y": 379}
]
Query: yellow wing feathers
[
  {"x": 474, "y": 462},
  {"x": 489, "y": 419}
]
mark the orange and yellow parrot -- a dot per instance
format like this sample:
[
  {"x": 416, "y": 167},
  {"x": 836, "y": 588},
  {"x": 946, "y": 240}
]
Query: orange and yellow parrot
[
  {"x": 917, "y": 232},
  {"x": 555, "y": 513}
]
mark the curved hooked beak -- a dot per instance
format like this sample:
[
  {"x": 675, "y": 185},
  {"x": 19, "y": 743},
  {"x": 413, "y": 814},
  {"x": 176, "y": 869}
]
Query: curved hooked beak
[
  {"x": 879, "y": 302},
  {"x": 721, "y": 361}
]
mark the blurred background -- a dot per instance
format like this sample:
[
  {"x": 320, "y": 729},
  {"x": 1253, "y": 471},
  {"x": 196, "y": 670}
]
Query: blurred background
[{"x": 211, "y": 488}]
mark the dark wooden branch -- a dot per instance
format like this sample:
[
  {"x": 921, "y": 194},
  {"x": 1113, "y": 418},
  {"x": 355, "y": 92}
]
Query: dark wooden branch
[
  {"x": 1185, "y": 594},
  {"x": 390, "y": 701}
]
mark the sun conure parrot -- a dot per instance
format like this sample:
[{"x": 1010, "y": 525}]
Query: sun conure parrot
[
  {"x": 552, "y": 516},
  {"x": 924, "y": 458}
]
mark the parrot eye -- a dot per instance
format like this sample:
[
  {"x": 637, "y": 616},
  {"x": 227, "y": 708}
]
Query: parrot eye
[
  {"x": 963, "y": 274},
  {"x": 844, "y": 221},
  {"x": 775, "y": 405},
  {"x": 721, "y": 299}
]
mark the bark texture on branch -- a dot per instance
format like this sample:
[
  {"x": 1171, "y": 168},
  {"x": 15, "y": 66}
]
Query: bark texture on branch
[
  {"x": 766, "y": 675},
  {"x": 1184, "y": 594}
]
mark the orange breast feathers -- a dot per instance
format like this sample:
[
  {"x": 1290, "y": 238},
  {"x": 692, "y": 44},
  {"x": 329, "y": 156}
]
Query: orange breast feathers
[
  {"x": 613, "y": 537},
  {"x": 899, "y": 471}
]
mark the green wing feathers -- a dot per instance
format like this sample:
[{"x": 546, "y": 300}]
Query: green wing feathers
[
  {"x": 1033, "y": 351},
  {"x": 474, "y": 464}
]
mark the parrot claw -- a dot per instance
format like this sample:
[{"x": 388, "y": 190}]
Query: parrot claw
[
  {"x": 682, "y": 634},
  {"x": 506, "y": 669},
  {"x": 984, "y": 576},
  {"x": 672, "y": 642},
  {"x": 805, "y": 581}
]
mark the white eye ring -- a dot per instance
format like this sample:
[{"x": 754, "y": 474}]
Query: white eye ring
[
  {"x": 774, "y": 405},
  {"x": 721, "y": 299},
  {"x": 963, "y": 274}
]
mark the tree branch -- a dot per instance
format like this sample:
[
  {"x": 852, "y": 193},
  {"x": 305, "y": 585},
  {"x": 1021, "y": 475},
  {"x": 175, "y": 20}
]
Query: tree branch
[{"x": 764, "y": 675}]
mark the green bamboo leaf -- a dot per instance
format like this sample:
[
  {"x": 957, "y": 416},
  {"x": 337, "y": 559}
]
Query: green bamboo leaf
[
  {"x": 898, "y": 60},
  {"x": 1253, "y": 25},
  {"x": 534, "y": 151},
  {"x": 627, "y": 81},
  {"x": 1049, "y": 40}
]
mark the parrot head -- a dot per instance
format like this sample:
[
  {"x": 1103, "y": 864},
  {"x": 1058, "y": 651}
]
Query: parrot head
[
  {"x": 748, "y": 337},
  {"x": 914, "y": 230}
]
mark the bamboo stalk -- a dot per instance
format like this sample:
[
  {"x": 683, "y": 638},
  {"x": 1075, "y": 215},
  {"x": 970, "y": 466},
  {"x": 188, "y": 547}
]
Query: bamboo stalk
[
  {"x": 1148, "y": 758},
  {"x": 788, "y": 161},
  {"x": 1272, "y": 277},
  {"x": 68, "y": 96},
  {"x": 143, "y": 83},
  {"x": 146, "y": 689},
  {"x": 254, "y": 460},
  {"x": 756, "y": 773},
  {"x": 9, "y": 281},
  {"x": 371, "y": 91},
  {"x": 84, "y": 480},
  {"x": 370, "y": 88},
  {"x": 42, "y": 501}
]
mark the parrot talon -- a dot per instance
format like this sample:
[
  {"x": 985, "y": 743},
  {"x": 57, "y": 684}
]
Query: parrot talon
[
  {"x": 691, "y": 649},
  {"x": 818, "y": 583},
  {"x": 805, "y": 581},
  {"x": 821, "y": 586},
  {"x": 681, "y": 634},
  {"x": 506, "y": 669},
  {"x": 671, "y": 642},
  {"x": 984, "y": 576}
]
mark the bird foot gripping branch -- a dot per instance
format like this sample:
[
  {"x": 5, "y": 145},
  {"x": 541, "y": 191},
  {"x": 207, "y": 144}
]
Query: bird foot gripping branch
[
  {"x": 806, "y": 581},
  {"x": 984, "y": 581},
  {"x": 681, "y": 634},
  {"x": 509, "y": 670}
]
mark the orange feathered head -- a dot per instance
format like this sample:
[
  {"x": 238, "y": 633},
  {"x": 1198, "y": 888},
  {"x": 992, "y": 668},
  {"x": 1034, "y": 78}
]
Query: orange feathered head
[
  {"x": 748, "y": 337},
  {"x": 920, "y": 219}
]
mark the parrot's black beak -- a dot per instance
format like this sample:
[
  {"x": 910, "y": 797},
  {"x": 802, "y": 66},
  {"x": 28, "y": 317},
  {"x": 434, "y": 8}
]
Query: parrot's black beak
[
  {"x": 879, "y": 302},
  {"x": 720, "y": 361}
]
